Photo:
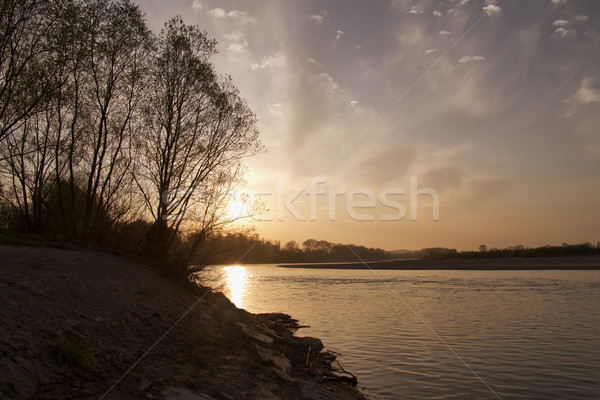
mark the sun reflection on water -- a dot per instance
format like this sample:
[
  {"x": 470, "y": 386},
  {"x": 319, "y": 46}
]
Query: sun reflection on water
[{"x": 236, "y": 278}]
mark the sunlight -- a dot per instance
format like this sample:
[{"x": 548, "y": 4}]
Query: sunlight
[
  {"x": 237, "y": 282},
  {"x": 235, "y": 209}
]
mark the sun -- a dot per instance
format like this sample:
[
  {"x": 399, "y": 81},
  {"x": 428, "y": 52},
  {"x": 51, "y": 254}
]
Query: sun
[{"x": 236, "y": 209}]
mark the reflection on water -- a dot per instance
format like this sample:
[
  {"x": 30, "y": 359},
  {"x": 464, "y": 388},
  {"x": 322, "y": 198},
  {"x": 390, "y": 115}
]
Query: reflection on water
[
  {"x": 236, "y": 279},
  {"x": 527, "y": 334}
]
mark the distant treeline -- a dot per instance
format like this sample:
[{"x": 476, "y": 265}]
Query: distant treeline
[
  {"x": 566, "y": 250},
  {"x": 252, "y": 249}
]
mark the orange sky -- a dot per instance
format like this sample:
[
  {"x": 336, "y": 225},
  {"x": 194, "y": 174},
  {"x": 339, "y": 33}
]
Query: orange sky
[{"x": 494, "y": 107}]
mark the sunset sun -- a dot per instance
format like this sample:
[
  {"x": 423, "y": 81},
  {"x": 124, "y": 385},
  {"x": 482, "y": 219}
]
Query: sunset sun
[{"x": 235, "y": 210}]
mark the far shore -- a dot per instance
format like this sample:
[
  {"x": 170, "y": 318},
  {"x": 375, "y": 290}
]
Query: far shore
[{"x": 532, "y": 263}]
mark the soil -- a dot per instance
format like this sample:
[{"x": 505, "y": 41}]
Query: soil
[{"x": 82, "y": 324}]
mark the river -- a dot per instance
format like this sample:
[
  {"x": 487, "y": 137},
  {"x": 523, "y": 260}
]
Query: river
[{"x": 443, "y": 334}]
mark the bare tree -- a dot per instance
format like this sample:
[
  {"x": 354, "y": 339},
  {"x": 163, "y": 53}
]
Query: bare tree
[
  {"x": 28, "y": 163},
  {"x": 197, "y": 131},
  {"x": 82, "y": 133},
  {"x": 26, "y": 76},
  {"x": 117, "y": 55}
]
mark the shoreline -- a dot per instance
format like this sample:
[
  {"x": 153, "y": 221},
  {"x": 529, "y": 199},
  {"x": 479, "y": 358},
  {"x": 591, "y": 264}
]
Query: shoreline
[
  {"x": 77, "y": 322},
  {"x": 488, "y": 264}
]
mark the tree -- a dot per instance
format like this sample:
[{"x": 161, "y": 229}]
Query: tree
[
  {"x": 118, "y": 49},
  {"x": 291, "y": 246},
  {"x": 27, "y": 79},
  {"x": 81, "y": 133},
  {"x": 483, "y": 248},
  {"x": 196, "y": 131}
]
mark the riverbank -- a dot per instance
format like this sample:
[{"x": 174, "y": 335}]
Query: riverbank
[
  {"x": 532, "y": 263},
  {"x": 75, "y": 322}
]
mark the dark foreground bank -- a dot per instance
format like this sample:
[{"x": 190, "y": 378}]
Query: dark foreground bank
[
  {"x": 538, "y": 263},
  {"x": 75, "y": 322}
]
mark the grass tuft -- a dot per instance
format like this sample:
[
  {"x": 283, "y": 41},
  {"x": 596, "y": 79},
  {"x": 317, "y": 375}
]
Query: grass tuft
[{"x": 73, "y": 353}]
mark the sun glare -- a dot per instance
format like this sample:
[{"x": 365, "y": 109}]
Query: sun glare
[{"x": 235, "y": 210}]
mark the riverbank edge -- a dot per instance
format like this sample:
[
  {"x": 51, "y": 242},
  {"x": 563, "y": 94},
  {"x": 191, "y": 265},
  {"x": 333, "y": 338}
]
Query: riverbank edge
[
  {"x": 533, "y": 263},
  {"x": 87, "y": 324}
]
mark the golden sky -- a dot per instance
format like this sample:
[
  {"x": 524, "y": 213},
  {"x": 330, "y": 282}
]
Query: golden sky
[{"x": 495, "y": 107}]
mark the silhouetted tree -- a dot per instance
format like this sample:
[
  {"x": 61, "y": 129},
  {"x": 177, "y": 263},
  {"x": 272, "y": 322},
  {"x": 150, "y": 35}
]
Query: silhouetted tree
[
  {"x": 27, "y": 75},
  {"x": 197, "y": 128},
  {"x": 78, "y": 140}
]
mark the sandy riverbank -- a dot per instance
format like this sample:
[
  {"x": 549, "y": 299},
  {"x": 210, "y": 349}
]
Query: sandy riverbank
[
  {"x": 537, "y": 263},
  {"x": 74, "y": 322}
]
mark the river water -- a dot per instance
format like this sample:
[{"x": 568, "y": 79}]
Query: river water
[{"x": 443, "y": 334}]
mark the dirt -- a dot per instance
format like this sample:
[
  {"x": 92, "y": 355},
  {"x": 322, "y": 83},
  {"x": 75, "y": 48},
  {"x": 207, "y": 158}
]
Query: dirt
[{"x": 85, "y": 324}]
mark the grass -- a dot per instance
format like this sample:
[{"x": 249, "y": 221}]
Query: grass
[{"x": 73, "y": 353}]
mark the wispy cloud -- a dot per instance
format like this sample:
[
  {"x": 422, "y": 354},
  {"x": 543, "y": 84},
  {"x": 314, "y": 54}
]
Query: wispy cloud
[
  {"x": 561, "y": 22},
  {"x": 338, "y": 35},
  {"x": 276, "y": 109},
  {"x": 317, "y": 18},
  {"x": 276, "y": 60},
  {"x": 467, "y": 59},
  {"x": 235, "y": 41},
  {"x": 415, "y": 10},
  {"x": 587, "y": 93},
  {"x": 562, "y": 32},
  {"x": 491, "y": 9},
  {"x": 236, "y": 15}
]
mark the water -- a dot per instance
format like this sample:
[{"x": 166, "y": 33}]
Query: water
[{"x": 443, "y": 334}]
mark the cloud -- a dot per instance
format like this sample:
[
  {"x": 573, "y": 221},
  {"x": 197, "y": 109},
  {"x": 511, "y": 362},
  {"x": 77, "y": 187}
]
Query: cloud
[
  {"x": 415, "y": 10},
  {"x": 196, "y": 5},
  {"x": 276, "y": 109},
  {"x": 491, "y": 9},
  {"x": 236, "y": 15},
  {"x": 437, "y": 13},
  {"x": 318, "y": 18},
  {"x": 338, "y": 36},
  {"x": 445, "y": 33},
  {"x": 562, "y": 32},
  {"x": 277, "y": 60},
  {"x": 561, "y": 22},
  {"x": 217, "y": 13},
  {"x": 587, "y": 93},
  {"x": 353, "y": 102},
  {"x": 466, "y": 59},
  {"x": 430, "y": 51},
  {"x": 558, "y": 2},
  {"x": 312, "y": 61},
  {"x": 581, "y": 18},
  {"x": 236, "y": 41}
]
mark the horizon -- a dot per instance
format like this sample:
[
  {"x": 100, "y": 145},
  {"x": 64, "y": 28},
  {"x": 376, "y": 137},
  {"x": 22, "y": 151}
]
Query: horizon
[{"x": 493, "y": 106}]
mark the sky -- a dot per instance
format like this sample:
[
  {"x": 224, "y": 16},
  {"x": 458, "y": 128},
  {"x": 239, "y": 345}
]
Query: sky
[{"x": 410, "y": 124}]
